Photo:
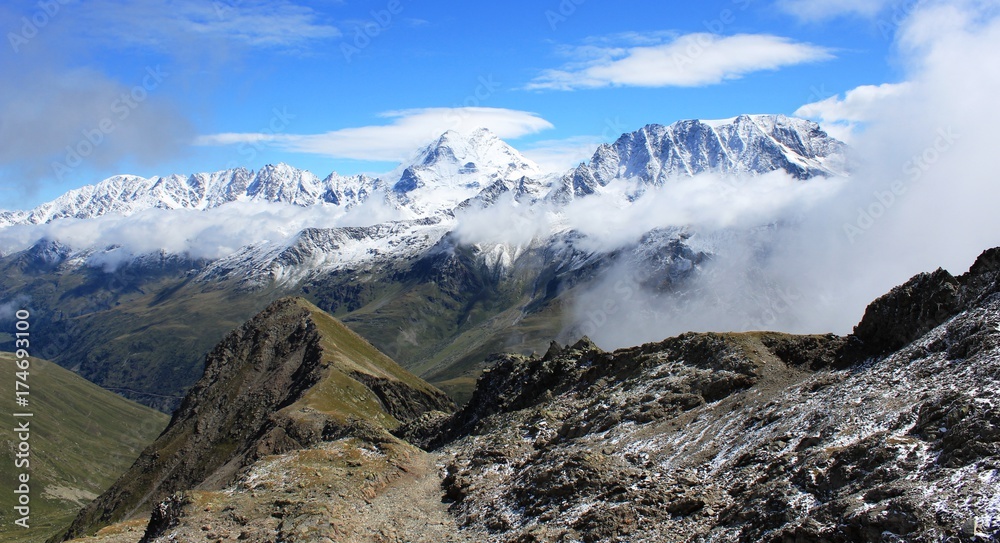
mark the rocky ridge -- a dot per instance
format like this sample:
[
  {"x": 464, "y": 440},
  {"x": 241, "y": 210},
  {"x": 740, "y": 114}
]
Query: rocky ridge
[
  {"x": 889, "y": 434},
  {"x": 290, "y": 378}
]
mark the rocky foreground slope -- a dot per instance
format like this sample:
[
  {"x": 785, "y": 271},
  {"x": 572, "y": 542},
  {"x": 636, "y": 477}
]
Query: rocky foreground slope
[
  {"x": 290, "y": 378},
  {"x": 889, "y": 434}
]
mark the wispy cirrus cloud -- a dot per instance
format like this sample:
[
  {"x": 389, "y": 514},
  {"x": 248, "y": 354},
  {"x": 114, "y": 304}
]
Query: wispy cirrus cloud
[
  {"x": 166, "y": 24},
  {"x": 818, "y": 10},
  {"x": 407, "y": 130},
  {"x": 689, "y": 60}
]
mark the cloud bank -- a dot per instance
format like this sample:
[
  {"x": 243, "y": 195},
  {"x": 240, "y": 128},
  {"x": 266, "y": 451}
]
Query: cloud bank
[
  {"x": 923, "y": 195},
  {"x": 211, "y": 234}
]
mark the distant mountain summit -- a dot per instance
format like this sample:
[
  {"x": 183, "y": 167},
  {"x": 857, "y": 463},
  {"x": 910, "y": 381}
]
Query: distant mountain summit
[
  {"x": 457, "y": 167},
  {"x": 748, "y": 144}
]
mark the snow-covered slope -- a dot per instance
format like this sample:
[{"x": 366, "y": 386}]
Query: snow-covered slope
[
  {"x": 127, "y": 194},
  {"x": 748, "y": 144},
  {"x": 455, "y": 168},
  {"x": 315, "y": 251}
]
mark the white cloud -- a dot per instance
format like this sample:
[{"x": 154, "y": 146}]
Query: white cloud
[
  {"x": 840, "y": 116},
  {"x": 408, "y": 130},
  {"x": 504, "y": 222},
  {"x": 858, "y": 105},
  {"x": 690, "y": 60},
  {"x": 212, "y": 233},
  {"x": 233, "y": 138},
  {"x": 708, "y": 202}
]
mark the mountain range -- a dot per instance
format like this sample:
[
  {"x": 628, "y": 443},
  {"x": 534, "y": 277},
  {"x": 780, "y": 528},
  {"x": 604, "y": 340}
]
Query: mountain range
[
  {"x": 457, "y": 167},
  {"x": 402, "y": 269}
]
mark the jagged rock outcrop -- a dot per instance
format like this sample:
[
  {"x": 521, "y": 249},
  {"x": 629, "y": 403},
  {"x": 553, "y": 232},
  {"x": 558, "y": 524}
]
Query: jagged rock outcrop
[
  {"x": 925, "y": 301},
  {"x": 286, "y": 380}
]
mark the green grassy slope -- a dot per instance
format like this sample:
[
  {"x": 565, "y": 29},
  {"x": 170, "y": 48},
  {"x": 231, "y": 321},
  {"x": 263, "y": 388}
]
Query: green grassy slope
[{"x": 82, "y": 438}]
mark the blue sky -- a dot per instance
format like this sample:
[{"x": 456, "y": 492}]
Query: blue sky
[{"x": 102, "y": 87}]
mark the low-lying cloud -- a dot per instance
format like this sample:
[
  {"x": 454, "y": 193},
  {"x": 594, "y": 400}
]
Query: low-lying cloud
[
  {"x": 923, "y": 195},
  {"x": 211, "y": 234}
]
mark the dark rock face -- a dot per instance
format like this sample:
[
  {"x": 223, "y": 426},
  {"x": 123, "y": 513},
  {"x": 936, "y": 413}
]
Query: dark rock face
[
  {"x": 165, "y": 516},
  {"x": 925, "y": 301},
  {"x": 909, "y": 311}
]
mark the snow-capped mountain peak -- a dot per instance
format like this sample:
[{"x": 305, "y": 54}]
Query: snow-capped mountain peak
[
  {"x": 128, "y": 194},
  {"x": 747, "y": 144},
  {"x": 455, "y": 167}
]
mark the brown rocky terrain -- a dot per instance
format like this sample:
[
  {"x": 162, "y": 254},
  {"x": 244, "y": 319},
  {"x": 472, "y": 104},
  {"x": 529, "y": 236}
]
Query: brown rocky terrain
[
  {"x": 290, "y": 378},
  {"x": 889, "y": 434}
]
